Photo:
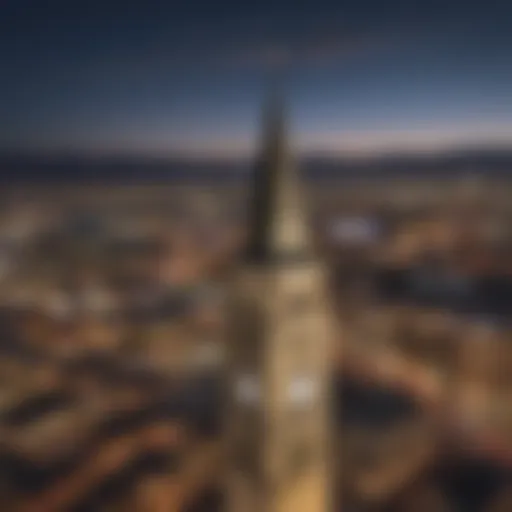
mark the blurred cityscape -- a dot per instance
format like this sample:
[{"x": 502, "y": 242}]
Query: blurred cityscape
[
  {"x": 190, "y": 322},
  {"x": 113, "y": 319}
]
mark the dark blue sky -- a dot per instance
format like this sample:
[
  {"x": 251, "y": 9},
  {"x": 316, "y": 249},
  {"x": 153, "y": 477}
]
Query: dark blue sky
[{"x": 164, "y": 77}]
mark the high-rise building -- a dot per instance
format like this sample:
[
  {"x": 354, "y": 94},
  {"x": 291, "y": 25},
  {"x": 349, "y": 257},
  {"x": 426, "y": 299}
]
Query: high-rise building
[{"x": 278, "y": 419}]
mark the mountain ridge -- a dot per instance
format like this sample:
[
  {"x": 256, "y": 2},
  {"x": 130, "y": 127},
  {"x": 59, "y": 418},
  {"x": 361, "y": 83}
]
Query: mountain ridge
[{"x": 49, "y": 168}]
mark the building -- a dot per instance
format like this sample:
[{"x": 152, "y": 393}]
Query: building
[{"x": 279, "y": 350}]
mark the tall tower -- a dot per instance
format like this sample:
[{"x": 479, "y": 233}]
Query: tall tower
[{"x": 278, "y": 422}]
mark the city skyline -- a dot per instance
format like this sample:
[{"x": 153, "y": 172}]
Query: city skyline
[{"x": 157, "y": 79}]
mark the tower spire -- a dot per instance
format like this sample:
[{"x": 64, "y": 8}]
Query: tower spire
[
  {"x": 276, "y": 227},
  {"x": 279, "y": 348}
]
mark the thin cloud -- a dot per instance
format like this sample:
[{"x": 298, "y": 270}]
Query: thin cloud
[
  {"x": 322, "y": 51},
  {"x": 260, "y": 57},
  {"x": 331, "y": 51}
]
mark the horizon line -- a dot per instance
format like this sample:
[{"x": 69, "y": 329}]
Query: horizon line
[{"x": 216, "y": 157}]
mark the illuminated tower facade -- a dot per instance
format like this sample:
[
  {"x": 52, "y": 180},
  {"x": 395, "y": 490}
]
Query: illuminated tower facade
[{"x": 278, "y": 417}]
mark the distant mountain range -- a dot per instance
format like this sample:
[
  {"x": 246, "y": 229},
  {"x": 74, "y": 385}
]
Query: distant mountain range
[{"x": 75, "y": 168}]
